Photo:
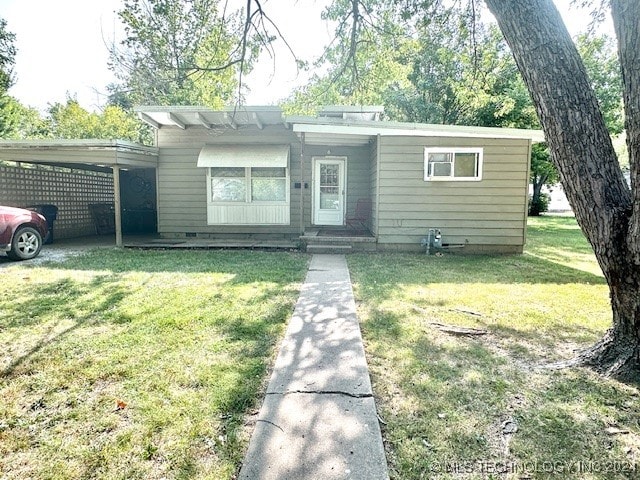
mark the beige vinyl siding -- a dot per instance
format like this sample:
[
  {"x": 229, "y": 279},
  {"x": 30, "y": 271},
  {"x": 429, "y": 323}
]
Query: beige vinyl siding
[
  {"x": 484, "y": 215},
  {"x": 358, "y": 177},
  {"x": 182, "y": 186}
]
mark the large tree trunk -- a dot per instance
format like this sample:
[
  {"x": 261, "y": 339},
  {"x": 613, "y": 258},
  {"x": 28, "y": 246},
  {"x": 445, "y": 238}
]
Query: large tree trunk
[{"x": 581, "y": 149}]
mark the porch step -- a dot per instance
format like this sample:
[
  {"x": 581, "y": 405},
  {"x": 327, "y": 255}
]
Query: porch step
[{"x": 327, "y": 248}]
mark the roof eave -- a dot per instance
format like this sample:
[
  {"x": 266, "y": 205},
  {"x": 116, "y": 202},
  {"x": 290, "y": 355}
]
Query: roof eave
[{"x": 373, "y": 128}]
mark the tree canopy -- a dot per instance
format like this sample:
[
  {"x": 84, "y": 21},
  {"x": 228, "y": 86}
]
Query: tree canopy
[
  {"x": 435, "y": 70},
  {"x": 7, "y": 57},
  {"x": 180, "y": 52},
  {"x": 71, "y": 120}
]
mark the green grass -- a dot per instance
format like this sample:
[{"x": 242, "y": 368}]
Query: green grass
[
  {"x": 182, "y": 338},
  {"x": 447, "y": 399}
]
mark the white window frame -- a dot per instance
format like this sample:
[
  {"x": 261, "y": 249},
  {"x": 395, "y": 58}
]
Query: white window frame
[
  {"x": 246, "y": 211},
  {"x": 453, "y": 151},
  {"x": 248, "y": 188}
]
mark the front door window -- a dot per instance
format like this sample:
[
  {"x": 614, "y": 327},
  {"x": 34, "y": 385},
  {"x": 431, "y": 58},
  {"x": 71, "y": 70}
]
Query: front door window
[{"x": 329, "y": 187}]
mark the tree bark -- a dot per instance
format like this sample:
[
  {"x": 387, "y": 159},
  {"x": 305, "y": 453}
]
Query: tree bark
[
  {"x": 581, "y": 149},
  {"x": 626, "y": 16}
]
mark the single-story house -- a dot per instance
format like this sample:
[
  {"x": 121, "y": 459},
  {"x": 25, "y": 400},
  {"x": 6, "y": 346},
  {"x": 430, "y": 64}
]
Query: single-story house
[
  {"x": 344, "y": 178},
  {"x": 254, "y": 172}
]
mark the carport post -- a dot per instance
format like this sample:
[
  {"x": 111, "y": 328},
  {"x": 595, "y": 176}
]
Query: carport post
[{"x": 116, "y": 202}]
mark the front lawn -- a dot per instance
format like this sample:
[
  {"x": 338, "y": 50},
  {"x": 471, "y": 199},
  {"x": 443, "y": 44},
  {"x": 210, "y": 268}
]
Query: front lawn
[
  {"x": 477, "y": 403},
  {"x": 137, "y": 364}
]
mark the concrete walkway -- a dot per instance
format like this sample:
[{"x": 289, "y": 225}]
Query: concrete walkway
[{"x": 318, "y": 419}]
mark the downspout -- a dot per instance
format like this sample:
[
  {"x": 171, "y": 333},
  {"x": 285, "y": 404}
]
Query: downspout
[{"x": 302, "y": 183}]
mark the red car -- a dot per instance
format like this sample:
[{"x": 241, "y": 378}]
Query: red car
[{"x": 21, "y": 232}]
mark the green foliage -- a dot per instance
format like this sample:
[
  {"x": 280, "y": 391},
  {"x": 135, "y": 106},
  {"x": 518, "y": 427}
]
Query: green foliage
[
  {"x": 7, "y": 57},
  {"x": 70, "y": 120},
  {"x": 542, "y": 172},
  {"x": 603, "y": 67},
  {"x": 465, "y": 77},
  {"x": 175, "y": 52},
  {"x": 426, "y": 62},
  {"x": 539, "y": 204},
  {"x": 356, "y": 76},
  {"x": 18, "y": 121},
  {"x": 433, "y": 69}
]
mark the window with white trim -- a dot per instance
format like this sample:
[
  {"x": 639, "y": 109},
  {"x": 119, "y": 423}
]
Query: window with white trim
[
  {"x": 452, "y": 164},
  {"x": 248, "y": 184}
]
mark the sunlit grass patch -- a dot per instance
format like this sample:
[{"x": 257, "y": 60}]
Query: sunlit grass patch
[
  {"x": 451, "y": 401},
  {"x": 181, "y": 339}
]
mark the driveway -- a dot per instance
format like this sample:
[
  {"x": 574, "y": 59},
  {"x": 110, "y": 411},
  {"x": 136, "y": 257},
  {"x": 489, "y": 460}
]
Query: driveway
[{"x": 61, "y": 249}]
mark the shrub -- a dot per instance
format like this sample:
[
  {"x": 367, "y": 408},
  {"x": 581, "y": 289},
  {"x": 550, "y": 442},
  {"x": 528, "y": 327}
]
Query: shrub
[{"x": 539, "y": 205}]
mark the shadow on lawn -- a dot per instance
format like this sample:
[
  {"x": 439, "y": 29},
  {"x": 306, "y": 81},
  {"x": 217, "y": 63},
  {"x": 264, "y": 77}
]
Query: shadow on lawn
[
  {"x": 245, "y": 266},
  {"x": 64, "y": 298},
  {"x": 55, "y": 311},
  {"x": 60, "y": 301},
  {"x": 446, "y": 399},
  {"x": 403, "y": 269}
]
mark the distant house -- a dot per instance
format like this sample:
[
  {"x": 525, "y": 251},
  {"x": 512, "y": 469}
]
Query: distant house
[{"x": 255, "y": 173}]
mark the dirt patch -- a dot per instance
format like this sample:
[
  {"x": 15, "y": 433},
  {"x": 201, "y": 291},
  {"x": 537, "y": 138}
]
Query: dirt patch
[{"x": 59, "y": 252}]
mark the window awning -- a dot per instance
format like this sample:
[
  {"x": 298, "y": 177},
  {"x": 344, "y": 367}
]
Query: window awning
[{"x": 244, "y": 156}]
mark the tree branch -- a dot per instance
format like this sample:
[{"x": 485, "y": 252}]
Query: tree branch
[{"x": 625, "y": 17}]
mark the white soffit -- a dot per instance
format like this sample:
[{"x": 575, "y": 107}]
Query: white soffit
[{"x": 244, "y": 156}]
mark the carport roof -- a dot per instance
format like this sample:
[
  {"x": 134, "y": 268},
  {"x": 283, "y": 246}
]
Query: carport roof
[{"x": 89, "y": 154}]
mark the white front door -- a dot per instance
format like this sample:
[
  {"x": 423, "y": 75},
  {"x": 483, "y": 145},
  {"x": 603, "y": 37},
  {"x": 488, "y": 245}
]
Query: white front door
[{"x": 329, "y": 190}]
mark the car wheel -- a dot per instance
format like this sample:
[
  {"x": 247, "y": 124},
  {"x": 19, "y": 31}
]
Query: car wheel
[{"x": 26, "y": 244}]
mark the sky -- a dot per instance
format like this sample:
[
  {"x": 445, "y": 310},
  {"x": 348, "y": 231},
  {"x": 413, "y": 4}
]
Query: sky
[{"x": 62, "y": 48}]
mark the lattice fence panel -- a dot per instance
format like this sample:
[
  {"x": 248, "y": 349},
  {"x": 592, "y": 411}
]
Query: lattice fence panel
[{"x": 70, "y": 190}]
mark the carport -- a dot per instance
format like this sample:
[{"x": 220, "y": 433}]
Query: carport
[{"x": 107, "y": 156}]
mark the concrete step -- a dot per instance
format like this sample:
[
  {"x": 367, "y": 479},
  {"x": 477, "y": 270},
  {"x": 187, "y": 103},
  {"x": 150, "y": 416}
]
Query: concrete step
[{"x": 326, "y": 248}]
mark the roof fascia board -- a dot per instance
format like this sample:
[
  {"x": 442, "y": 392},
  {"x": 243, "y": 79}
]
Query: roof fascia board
[
  {"x": 390, "y": 130},
  {"x": 194, "y": 108},
  {"x": 87, "y": 143}
]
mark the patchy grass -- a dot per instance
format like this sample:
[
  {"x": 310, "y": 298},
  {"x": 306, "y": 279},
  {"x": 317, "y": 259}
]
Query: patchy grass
[
  {"x": 461, "y": 406},
  {"x": 136, "y": 365}
]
